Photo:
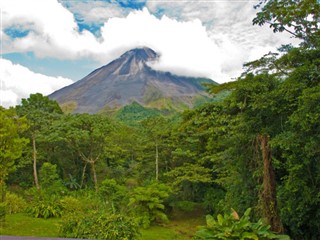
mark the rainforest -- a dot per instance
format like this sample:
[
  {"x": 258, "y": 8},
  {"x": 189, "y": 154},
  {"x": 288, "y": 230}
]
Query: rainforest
[{"x": 244, "y": 165}]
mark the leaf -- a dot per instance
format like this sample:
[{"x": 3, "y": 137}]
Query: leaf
[
  {"x": 235, "y": 214},
  {"x": 283, "y": 237},
  {"x": 249, "y": 235},
  {"x": 210, "y": 221},
  {"x": 220, "y": 219}
]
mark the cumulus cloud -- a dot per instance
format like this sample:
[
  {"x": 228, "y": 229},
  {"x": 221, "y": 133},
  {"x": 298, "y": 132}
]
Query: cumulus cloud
[
  {"x": 19, "y": 82},
  {"x": 185, "y": 47},
  {"x": 229, "y": 25},
  {"x": 206, "y": 38},
  {"x": 91, "y": 12},
  {"x": 53, "y": 31}
]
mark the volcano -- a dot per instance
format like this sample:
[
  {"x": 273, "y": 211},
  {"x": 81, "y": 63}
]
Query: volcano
[{"x": 131, "y": 79}]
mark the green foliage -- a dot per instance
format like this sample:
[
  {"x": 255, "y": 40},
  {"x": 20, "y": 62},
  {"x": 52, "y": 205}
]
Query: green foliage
[
  {"x": 113, "y": 193},
  {"x": 71, "y": 204},
  {"x": 233, "y": 227},
  {"x": 191, "y": 173},
  {"x": 214, "y": 200},
  {"x": 15, "y": 203},
  {"x": 50, "y": 180},
  {"x": 2, "y": 212},
  {"x": 300, "y": 18},
  {"x": 185, "y": 206},
  {"x": 45, "y": 208},
  {"x": 134, "y": 113},
  {"x": 148, "y": 203},
  {"x": 72, "y": 183},
  {"x": 12, "y": 145},
  {"x": 97, "y": 225},
  {"x": 11, "y": 142}
]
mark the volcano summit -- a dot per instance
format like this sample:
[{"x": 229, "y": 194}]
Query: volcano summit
[{"x": 130, "y": 79}]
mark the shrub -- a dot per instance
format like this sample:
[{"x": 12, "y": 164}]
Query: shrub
[
  {"x": 233, "y": 227},
  {"x": 14, "y": 203},
  {"x": 148, "y": 203},
  {"x": 112, "y": 193},
  {"x": 46, "y": 208},
  {"x": 95, "y": 225},
  {"x": 49, "y": 179},
  {"x": 71, "y": 204}
]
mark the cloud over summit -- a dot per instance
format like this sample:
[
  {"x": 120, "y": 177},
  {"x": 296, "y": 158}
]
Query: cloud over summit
[{"x": 205, "y": 38}]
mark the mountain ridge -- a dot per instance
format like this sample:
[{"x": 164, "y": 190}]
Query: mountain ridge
[{"x": 127, "y": 79}]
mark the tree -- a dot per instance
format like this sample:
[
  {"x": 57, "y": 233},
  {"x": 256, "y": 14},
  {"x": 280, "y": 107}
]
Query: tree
[
  {"x": 156, "y": 131},
  {"x": 85, "y": 135},
  {"x": 300, "y": 18},
  {"x": 39, "y": 111},
  {"x": 300, "y": 156},
  {"x": 12, "y": 146}
]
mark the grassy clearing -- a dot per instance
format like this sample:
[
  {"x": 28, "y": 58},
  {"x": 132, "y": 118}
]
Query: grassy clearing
[{"x": 23, "y": 225}]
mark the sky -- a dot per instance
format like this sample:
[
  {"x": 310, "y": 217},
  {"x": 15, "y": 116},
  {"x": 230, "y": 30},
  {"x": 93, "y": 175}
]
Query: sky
[{"x": 49, "y": 44}]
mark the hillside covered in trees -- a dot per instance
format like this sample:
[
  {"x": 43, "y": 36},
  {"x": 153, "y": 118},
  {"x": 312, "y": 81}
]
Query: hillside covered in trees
[{"x": 249, "y": 160}]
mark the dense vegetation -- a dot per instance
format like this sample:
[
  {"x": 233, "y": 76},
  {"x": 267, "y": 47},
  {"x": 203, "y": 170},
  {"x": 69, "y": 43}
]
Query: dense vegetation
[{"x": 256, "y": 151}]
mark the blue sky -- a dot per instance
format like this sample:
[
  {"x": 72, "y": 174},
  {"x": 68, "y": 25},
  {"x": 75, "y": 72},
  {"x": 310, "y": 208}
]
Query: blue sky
[{"x": 48, "y": 44}]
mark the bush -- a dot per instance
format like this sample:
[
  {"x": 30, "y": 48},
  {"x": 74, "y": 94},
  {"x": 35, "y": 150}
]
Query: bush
[
  {"x": 50, "y": 181},
  {"x": 71, "y": 205},
  {"x": 148, "y": 203},
  {"x": 95, "y": 225},
  {"x": 14, "y": 203},
  {"x": 46, "y": 208},
  {"x": 233, "y": 227},
  {"x": 112, "y": 193}
]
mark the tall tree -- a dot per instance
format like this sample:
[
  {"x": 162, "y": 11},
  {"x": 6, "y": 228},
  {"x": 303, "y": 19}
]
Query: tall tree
[
  {"x": 85, "y": 135},
  {"x": 156, "y": 131},
  {"x": 39, "y": 111},
  {"x": 12, "y": 145}
]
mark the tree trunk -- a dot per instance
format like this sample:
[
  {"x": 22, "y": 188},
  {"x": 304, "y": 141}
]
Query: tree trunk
[
  {"x": 34, "y": 156},
  {"x": 83, "y": 173},
  {"x": 93, "y": 167},
  {"x": 269, "y": 195},
  {"x": 157, "y": 162}
]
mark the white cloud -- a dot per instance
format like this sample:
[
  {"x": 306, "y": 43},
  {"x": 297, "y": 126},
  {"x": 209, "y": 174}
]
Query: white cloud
[
  {"x": 185, "y": 47},
  {"x": 19, "y": 82},
  {"x": 96, "y": 11},
  {"x": 53, "y": 30},
  {"x": 205, "y": 38},
  {"x": 229, "y": 25}
]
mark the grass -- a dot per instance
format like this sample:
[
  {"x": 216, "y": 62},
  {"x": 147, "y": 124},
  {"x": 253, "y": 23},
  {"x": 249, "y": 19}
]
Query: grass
[
  {"x": 161, "y": 233},
  {"x": 22, "y": 225}
]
